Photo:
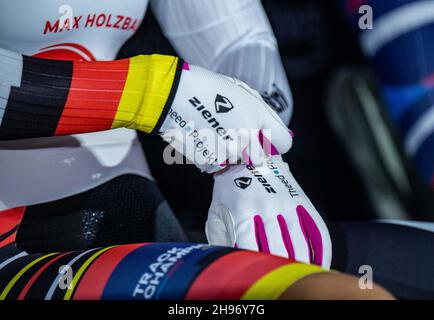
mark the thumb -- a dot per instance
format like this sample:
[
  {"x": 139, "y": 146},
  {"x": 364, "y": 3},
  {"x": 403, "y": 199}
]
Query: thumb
[
  {"x": 275, "y": 137},
  {"x": 219, "y": 227},
  {"x": 280, "y": 136}
]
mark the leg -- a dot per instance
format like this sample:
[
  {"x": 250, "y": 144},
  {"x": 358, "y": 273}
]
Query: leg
[{"x": 169, "y": 271}]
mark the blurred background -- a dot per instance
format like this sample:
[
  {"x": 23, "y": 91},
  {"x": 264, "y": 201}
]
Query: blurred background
[{"x": 355, "y": 153}]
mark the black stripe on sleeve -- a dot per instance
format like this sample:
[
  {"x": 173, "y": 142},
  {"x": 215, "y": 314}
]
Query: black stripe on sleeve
[
  {"x": 172, "y": 94},
  {"x": 34, "y": 109},
  {"x": 4, "y": 236}
]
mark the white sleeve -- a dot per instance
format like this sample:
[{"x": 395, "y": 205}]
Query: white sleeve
[{"x": 232, "y": 37}]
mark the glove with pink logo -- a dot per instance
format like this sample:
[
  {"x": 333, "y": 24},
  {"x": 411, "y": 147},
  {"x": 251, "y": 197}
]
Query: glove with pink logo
[
  {"x": 215, "y": 120},
  {"x": 264, "y": 209}
]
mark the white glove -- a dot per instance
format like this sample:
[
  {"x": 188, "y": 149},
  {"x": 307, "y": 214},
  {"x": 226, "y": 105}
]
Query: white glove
[
  {"x": 264, "y": 209},
  {"x": 215, "y": 120}
]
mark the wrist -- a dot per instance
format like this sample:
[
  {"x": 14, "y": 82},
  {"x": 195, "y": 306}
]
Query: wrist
[{"x": 151, "y": 83}]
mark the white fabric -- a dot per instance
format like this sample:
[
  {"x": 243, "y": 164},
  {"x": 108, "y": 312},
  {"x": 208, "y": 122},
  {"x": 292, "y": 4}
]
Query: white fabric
[
  {"x": 23, "y": 25},
  {"x": 232, "y": 37},
  {"x": 224, "y": 116},
  {"x": 40, "y": 170},
  {"x": 34, "y": 171},
  {"x": 233, "y": 210},
  {"x": 213, "y": 36}
]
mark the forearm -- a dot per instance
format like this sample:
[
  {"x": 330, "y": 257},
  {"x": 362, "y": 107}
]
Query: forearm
[
  {"x": 333, "y": 286},
  {"x": 41, "y": 97},
  {"x": 230, "y": 37},
  {"x": 260, "y": 66}
]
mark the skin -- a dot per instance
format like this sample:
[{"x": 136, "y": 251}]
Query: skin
[{"x": 333, "y": 286}]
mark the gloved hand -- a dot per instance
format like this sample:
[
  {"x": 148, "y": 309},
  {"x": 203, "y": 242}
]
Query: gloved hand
[
  {"x": 264, "y": 209},
  {"x": 215, "y": 120},
  {"x": 207, "y": 117}
]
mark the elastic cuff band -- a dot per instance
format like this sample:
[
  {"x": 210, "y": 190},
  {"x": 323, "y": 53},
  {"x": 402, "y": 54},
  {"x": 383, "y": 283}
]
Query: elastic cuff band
[{"x": 171, "y": 96}]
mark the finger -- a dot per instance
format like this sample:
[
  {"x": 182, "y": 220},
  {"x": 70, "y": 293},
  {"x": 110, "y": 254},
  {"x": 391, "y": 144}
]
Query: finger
[
  {"x": 286, "y": 237},
  {"x": 312, "y": 234},
  {"x": 268, "y": 148},
  {"x": 278, "y": 134},
  {"x": 324, "y": 233},
  {"x": 245, "y": 157},
  {"x": 313, "y": 227},
  {"x": 261, "y": 235},
  {"x": 328, "y": 249},
  {"x": 276, "y": 242},
  {"x": 253, "y": 154},
  {"x": 300, "y": 244},
  {"x": 245, "y": 236},
  {"x": 216, "y": 233},
  {"x": 219, "y": 227}
]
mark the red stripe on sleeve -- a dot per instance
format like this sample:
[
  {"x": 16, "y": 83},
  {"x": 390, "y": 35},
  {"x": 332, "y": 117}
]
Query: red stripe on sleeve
[
  {"x": 10, "y": 218},
  {"x": 37, "y": 274},
  {"x": 94, "y": 95},
  {"x": 8, "y": 240},
  {"x": 93, "y": 282},
  {"x": 231, "y": 275}
]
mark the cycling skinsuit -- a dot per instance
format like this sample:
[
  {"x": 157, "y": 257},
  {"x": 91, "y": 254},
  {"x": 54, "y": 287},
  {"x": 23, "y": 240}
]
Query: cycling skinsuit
[
  {"x": 89, "y": 31},
  {"x": 147, "y": 271}
]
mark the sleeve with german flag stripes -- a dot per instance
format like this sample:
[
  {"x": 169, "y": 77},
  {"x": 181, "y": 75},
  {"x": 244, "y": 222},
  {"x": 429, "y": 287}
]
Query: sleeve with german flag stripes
[
  {"x": 40, "y": 97},
  {"x": 167, "y": 271}
]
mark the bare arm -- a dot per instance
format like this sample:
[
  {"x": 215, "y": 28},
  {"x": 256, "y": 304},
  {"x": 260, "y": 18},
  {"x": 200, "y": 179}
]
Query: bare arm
[{"x": 333, "y": 286}]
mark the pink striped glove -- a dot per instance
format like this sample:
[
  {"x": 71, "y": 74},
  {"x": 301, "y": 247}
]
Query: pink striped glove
[{"x": 264, "y": 209}]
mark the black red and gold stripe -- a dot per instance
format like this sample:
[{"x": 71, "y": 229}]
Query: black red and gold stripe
[
  {"x": 151, "y": 271},
  {"x": 43, "y": 97}
]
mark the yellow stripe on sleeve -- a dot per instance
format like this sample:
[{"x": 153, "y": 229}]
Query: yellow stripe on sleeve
[
  {"x": 80, "y": 272},
  {"x": 273, "y": 284},
  {"x": 14, "y": 280},
  {"x": 146, "y": 91}
]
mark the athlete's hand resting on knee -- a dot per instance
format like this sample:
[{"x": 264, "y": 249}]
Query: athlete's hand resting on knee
[{"x": 264, "y": 209}]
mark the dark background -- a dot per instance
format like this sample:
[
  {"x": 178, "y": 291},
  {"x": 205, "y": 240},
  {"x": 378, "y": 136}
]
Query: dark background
[{"x": 314, "y": 41}]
